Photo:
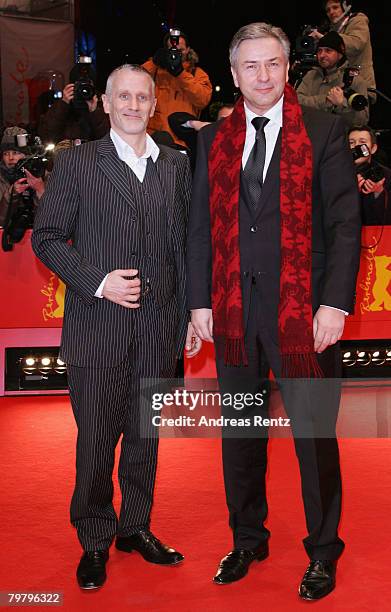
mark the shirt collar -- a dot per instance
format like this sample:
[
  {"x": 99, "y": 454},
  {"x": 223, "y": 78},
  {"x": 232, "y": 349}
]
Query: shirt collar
[
  {"x": 274, "y": 114},
  {"x": 124, "y": 150}
]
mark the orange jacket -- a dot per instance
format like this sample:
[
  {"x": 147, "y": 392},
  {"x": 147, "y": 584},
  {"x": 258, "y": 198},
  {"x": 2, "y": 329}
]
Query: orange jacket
[{"x": 187, "y": 92}]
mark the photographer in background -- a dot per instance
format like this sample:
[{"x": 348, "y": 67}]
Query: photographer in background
[
  {"x": 374, "y": 179},
  {"x": 329, "y": 86},
  {"x": 78, "y": 114},
  {"x": 181, "y": 85},
  {"x": 354, "y": 29},
  {"x": 10, "y": 185},
  {"x": 20, "y": 190}
]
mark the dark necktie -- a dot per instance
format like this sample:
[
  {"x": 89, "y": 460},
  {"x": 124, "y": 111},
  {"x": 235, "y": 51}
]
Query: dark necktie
[{"x": 253, "y": 170}]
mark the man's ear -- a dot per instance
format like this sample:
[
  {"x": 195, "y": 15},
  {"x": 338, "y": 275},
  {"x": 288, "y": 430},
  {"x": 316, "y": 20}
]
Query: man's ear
[
  {"x": 151, "y": 114},
  {"x": 373, "y": 148},
  {"x": 233, "y": 72},
  {"x": 287, "y": 72},
  {"x": 106, "y": 103}
]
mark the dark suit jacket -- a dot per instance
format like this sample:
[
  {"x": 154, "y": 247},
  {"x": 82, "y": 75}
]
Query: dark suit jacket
[
  {"x": 88, "y": 225},
  {"x": 335, "y": 226}
]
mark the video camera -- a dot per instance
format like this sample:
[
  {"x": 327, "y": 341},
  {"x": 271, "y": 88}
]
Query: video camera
[
  {"x": 304, "y": 54},
  {"x": 83, "y": 76},
  {"x": 355, "y": 100}
]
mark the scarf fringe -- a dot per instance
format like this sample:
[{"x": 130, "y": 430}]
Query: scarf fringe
[
  {"x": 235, "y": 352},
  {"x": 300, "y": 365}
]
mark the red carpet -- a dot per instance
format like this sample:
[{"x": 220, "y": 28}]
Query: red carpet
[{"x": 40, "y": 550}]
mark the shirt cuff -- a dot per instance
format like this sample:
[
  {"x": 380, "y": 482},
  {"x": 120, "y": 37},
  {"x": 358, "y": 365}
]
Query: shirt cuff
[
  {"x": 334, "y": 308},
  {"x": 98, "y": 292}
]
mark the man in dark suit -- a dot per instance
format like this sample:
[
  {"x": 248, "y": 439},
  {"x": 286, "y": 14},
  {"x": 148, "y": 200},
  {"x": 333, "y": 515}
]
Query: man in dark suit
[
  {"x": 268, "y": 177},
  {"x": 112, "y": 225}
]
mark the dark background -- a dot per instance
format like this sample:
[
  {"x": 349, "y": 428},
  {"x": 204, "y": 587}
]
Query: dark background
[{"x": 130, "y": 31}]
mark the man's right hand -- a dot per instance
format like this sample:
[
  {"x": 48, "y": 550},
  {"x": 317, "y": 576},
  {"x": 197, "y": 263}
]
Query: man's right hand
[
  {"x": 202, "y": 321},
  {"x": 68, "y": 93},
  {"x": 119, "y": 289}
]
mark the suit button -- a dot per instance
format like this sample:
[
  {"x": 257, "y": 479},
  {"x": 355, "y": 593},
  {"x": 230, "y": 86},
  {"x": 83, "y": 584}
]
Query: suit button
[{"x": 254, "y": 229}]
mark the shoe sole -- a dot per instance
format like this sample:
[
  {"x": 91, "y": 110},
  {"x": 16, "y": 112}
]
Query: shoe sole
[
  {"x": 90, "y": 588},
  {"x": 130, "y": 550},
  {"x": 316, "y": 598}
]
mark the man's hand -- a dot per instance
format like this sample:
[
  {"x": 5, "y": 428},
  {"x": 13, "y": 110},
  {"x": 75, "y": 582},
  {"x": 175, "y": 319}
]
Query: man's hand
[
  {"x": 315, "y": 34},
  {"x": 35, "y": 183},
  {"x": 335, "y": 96},
  {"x": 373, "y": 187},
  {"x": 202, "y": 322},
  {"x": 119, "y": 289},
  {"x": 92, "y": 104},
  {"x": 20, "y": 185},
  {"x": 328, "y": 327},
  {"x": 193, "y": 342},
  {"x": 68, "y": 93}
]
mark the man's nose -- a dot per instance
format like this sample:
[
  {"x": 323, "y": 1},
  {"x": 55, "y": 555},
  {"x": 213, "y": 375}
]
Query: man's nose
[{"x": 262, "y": 73}]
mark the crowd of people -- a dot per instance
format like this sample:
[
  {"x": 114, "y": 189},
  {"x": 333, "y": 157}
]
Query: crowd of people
[{"x": 257, "y": 251}]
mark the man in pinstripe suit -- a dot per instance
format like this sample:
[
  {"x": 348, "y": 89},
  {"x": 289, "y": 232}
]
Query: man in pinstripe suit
[{"x": 112, "y": 226}]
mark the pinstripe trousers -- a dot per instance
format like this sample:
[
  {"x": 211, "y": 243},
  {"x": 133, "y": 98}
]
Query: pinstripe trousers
[{"x": 106, "y": 405}]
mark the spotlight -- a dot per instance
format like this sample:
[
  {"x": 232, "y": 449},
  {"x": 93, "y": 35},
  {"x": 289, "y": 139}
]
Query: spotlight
[
  {"x": 379, "y": 358},
  {"x": 348, "y": 359},
  {"x": 363, "y": 358},
  {"x": 45, "y": 361},
  {"x": 60, "y": 362},
  {"x": 30, "y": 361}
]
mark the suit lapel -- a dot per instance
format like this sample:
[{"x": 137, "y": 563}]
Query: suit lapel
[
  {"x": 167, "y": 177},
  {"x": 113, "y": 167}
]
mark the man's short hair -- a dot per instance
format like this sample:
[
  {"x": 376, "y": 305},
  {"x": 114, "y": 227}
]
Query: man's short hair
[
  {"x": 132, "y": 68},
  {"x": 258, "y": 30},
  {"x": 364, "y": 128}
]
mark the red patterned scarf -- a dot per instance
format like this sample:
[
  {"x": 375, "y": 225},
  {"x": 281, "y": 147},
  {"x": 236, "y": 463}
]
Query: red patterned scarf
[{"x": 295, "y": 309}]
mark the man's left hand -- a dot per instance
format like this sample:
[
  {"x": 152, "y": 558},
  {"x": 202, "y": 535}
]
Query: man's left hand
[
  {"x": 372, "y": 186},
  {"x": 35, "y": 183},
  {"x": 328, "y": 327},
  {"x": 193, "y": 342},
  {"x": 316, "y": 34},
  {"x": 335, "y": 96}
]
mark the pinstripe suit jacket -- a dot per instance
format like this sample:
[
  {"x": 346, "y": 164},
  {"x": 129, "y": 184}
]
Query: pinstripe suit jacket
[{"x": 87, "y": 225}]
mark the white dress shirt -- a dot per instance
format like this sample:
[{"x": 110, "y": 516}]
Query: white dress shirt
[
  {"x": 137, "y": 164},
  {"x": 127, "y": 154},
  {"x": 272, "y": 129}
]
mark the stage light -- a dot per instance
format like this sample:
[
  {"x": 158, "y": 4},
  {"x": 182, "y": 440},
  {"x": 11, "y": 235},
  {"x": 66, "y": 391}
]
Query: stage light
[
  {"x": 363, "y": 358},
  {"x": 60, "y": 362},
  {"x": 217, "y": 88},
  {"x": 30, "y": 361},
  {"x": 348, "y": 359},
  {"x": 45, "y": 361},
  {"x": 379, "y": 358}
]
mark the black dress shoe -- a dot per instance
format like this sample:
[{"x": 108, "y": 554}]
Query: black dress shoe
[
  {"x": 235, "y": 565},
  {"x": 319, "y": 580},
  {"x": 91, "y": 572},
  {"x": 149, "y": 547}
]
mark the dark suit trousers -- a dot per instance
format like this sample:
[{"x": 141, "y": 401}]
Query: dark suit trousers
[
  {"x": 312, "y": 407},
  {"x": 106, "y": 404}
]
